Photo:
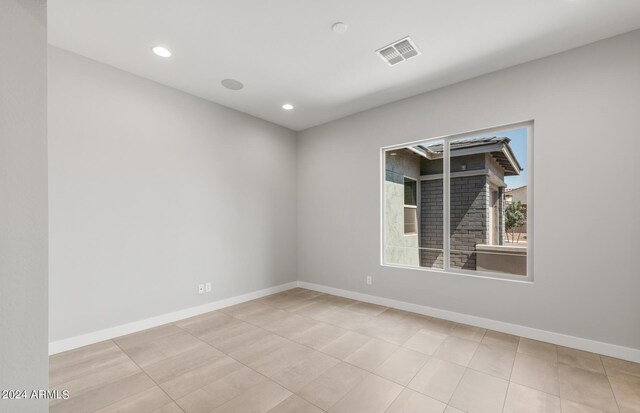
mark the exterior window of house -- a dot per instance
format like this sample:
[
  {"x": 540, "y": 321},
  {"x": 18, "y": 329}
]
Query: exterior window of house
[
  {"x": 410, "y": 206},
  {"x": 466, "y": 201}
]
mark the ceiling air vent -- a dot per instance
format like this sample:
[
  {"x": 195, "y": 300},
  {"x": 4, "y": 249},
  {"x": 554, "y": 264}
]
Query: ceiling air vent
[{"x": 399, "y": 51}]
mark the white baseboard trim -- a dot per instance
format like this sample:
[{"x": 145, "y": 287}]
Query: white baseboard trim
[
  {"x": 612, "y": 350},
  {"x": 133, "y": 327}
]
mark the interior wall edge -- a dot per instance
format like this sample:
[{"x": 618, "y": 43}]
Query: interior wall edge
[{"x": 23, "y": 206}]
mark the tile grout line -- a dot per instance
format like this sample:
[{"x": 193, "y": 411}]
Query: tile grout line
[
  {"x": 533, "y": 388},
  {"x": 466, "y": 368},
  {"x": 513, "y": 363},
  {"x": 240, "y": 362},
  {"x": 396, "y": 398},
  {"x": 416, "y": 373},
  {"x": 559, "y": 396},
  {"x": 98, "y": 386},
  {"x": 78, "y": 377},
  {"x": 320, "y": 351},
  {"x": 504, "y": 402},
  {"x": 336, "y": 325},
  {"x": 347, "y": 331},
  {"x": 146, "y": 374},
  {"x": 304, "y": 345},
  {"x": 236, "y": 360},
  {"x": 614, "y": 394},
  {"x": 399, "y": 346},
  {"x": 609, "y": 381},
  {"x": 339, "y": 360},
  {"x": 557, "y": 372}
]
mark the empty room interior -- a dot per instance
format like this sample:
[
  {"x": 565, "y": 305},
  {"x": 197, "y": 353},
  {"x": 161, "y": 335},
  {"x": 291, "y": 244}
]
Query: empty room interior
[{"x": 342, "y": 206}]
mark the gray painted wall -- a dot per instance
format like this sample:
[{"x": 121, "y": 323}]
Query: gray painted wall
[
  {"x": 586, "y": 280},
  {"x": 153, "y": 191},
  {"x": 23, "y": 202}
]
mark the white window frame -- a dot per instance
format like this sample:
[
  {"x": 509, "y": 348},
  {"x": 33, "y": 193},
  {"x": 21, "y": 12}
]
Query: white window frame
[{"x": 529, "y": 126}]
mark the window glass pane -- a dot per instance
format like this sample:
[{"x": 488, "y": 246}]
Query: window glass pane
[
  {"x": 410, "y": 192},
  {"x": 487, "y": 226},
  {"x": 410, "y": 220}
]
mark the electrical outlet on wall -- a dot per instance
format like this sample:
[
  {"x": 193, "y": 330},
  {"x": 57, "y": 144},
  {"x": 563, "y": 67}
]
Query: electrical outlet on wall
[
  {"x": 200, "y": 288},
  {"x": 207, "y": 287},
  {"x": 369, "y": 280}
]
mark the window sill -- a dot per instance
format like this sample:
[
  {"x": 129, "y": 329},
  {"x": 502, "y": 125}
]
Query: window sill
[
  {"x": 487, "y": 275},
  {"x": 510, "y": 249}
]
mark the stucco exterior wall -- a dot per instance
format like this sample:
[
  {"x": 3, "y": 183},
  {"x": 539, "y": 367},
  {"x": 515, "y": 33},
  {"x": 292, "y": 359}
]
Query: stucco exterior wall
[
  {"x": 399, "y": 248},
  {"x": 519, "y": 194}
]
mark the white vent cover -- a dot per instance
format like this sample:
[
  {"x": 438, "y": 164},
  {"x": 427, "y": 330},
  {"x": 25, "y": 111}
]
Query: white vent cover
[{"x": 398, "y": 51}]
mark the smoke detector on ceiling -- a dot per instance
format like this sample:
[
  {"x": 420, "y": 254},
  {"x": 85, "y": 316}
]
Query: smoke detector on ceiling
[
  {"x": 398, "y": 51},
  {"x": 232, "y": 84},
  {"x": 339, "y": 27}
]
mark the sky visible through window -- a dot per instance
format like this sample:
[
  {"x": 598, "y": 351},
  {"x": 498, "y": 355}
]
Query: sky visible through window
[{"x": 519, "y": 146}]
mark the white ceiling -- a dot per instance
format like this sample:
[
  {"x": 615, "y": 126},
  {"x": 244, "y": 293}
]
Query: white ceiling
[{"x": 285, "y": 51}]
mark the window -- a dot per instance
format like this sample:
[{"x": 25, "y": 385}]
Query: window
[
  {"x": 461, "y": 203},
  {"x": 410, "y": 206}
]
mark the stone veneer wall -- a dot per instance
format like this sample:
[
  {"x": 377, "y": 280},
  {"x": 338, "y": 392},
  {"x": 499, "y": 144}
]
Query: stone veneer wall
[
  {"x": 468, "y": 217},
  {"x": 431, "y": 224}
]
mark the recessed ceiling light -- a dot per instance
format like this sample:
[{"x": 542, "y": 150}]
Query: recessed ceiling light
[
  {"x": 287, "y": 106},
  {"x": 161, "y": 51},
  {"x": 339, "y": 27},
  {"x": 232, "y": 84}
]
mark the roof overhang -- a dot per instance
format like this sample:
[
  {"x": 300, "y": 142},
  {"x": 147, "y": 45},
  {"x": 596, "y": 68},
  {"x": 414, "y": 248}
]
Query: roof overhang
[{"x": 501, "y": 152}]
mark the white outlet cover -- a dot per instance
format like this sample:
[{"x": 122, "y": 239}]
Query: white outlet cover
[
  {"x": 207, "y": 287},
  {"x": 369, "y": 280},
  {"x": 200, "y": 288}
]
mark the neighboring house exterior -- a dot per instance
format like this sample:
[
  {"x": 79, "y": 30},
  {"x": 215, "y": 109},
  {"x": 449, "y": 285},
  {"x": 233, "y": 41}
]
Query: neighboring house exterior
[
  {"x": 516, "y": 194},
  {"x": 478, "y": 169}
]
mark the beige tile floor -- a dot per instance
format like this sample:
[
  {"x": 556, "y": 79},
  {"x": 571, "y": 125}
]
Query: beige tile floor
[{"x": 305, "y": 352}]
